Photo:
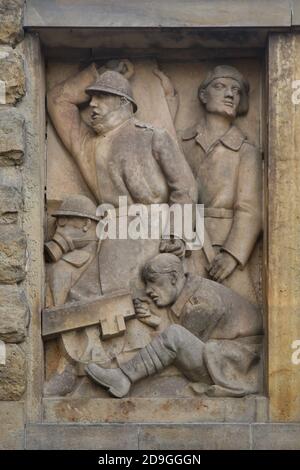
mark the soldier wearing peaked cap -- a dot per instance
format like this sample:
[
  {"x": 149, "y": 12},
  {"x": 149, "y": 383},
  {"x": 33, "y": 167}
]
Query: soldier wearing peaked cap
[{"x": 227, "y": 168}]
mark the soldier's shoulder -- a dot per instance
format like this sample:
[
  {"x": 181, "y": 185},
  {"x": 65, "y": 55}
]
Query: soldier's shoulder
[
  {"x": 249, "y": 144},
  {"x": 250, "y": 149},
  {"x": 143, "y": 125},
  {"x": 208, "y": 291},
  {"x": 189, "y": 133}
]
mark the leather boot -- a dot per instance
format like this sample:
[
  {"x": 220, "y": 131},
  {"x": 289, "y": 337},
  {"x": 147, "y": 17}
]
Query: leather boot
[
  {"x": 148, "y": 361},
  {"x": 114, "y": 380}
]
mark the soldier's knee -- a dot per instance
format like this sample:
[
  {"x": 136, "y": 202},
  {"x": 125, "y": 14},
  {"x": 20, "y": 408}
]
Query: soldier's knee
[{"x": 174, "y": 333}]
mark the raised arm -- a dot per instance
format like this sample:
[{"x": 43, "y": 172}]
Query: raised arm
[{"x": 63, "y": 101}]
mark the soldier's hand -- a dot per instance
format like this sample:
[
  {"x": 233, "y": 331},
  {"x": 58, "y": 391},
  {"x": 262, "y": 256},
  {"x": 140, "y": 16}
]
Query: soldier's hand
[
  {"x": 123, "y": 66},
  {"x": 174, "y": 246},
  {"x": 141, "y": 307},
  {"x": 222, "y": 266}
]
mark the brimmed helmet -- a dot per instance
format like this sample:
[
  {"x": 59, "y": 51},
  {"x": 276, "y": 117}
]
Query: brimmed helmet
[
  {"x": 77, "y": 206},
  {"x": 114, "y": 83}
]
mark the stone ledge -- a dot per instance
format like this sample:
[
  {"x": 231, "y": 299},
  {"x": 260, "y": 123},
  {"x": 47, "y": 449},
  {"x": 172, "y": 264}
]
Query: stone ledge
[
  {"x": 158, "y": 410},
  {"x": 161, "y": 14},
  {"x": 112, "y": 437},
  {"x": 280, "y": 436},
  {"x": 12, "y": 432},
  {"x": 196, "y": 436}
]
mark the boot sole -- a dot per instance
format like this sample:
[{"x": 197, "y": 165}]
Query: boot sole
[{"x": 110, "y": 389}]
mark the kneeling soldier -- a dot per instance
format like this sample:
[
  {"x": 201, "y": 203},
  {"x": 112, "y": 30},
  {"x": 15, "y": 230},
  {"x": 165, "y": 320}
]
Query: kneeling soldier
[{"x": 216, "y": 338}]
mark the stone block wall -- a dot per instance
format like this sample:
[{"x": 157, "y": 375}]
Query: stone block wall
[{"x": 14, "y": 309}]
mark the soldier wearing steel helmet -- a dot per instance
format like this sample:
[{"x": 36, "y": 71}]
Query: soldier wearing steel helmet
[
  {"x": 73, "y": 268},
  {"x": 116, "y": 154},
  {"x": 120, "y": 156}
]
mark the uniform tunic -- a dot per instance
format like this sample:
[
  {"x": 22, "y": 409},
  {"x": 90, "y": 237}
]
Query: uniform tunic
[{"x": 229, "y": 179}]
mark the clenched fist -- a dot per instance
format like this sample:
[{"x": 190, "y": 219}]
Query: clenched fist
[{"x": 222, "y": 266}]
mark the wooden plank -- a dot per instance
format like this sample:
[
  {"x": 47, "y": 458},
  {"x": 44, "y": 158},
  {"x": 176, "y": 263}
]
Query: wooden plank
[
  {"x": 157, "y": 13},
  {"x": 283, "y": 201}
]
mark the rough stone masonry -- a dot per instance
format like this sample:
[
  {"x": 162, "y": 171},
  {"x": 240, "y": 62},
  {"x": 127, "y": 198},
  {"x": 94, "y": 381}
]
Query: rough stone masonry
[{"x": 14, "y": 311}]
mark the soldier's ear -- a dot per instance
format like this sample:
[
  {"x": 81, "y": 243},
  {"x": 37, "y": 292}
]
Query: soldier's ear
[
  {"x": 87, "y": 225},
  {"x": 202, "y": 95},
  {"x": 173, "y": 277}
]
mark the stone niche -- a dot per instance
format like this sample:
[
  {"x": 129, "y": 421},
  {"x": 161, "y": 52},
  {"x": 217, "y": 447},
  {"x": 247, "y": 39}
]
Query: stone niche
[{"x": 85, "y": 280}]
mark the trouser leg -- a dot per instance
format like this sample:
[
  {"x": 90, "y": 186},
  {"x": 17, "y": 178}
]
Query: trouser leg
[{"x": 175, "y": 345}]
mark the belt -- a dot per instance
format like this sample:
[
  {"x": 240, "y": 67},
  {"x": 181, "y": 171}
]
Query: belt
[
  {"x": 218, "y": 213},
  {"x": 118, "y": 212}
]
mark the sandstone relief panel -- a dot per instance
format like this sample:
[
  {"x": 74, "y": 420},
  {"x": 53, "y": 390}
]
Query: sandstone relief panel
[{"x": 152, "y": 317}]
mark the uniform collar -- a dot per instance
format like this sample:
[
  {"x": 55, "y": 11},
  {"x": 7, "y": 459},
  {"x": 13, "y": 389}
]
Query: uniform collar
[
  {"x": 119, "y": 127},
  {"x": 232, "y": 139},
  {"x": 191, "y": 284}
]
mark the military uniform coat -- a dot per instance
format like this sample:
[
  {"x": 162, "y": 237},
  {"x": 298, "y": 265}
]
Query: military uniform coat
[{"x": 229, "y": 180}]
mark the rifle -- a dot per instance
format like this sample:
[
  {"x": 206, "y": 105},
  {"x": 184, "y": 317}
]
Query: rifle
[{"x": 109, "y": 311}]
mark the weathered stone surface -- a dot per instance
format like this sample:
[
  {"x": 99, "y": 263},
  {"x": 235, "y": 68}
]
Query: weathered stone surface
[
  {"x": 283, "y": 244},
  {"x": 12, "y": 432},
  {"x": 198, "y": 436},
  {"x": 12, "y": 140},
  {"x": 155, "y": 410},
  {"x": 10, "y": 204},
  {"x": 13, "y": 373},
  {"x": 12, "y": 176},
  {"x": 108, "y": 437},
  {"x": 169, "y": 13},
  {"x": 195, "y": 437},
  {"x": 276, "y": 436},
  {"x": 12, "y": 254},
  {"x": 12, "y": 75},
  {"x": 14, "y": 314},
  {"x": 11, "y": 20}
]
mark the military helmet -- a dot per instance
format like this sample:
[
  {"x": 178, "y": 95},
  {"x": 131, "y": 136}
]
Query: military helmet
[
  {"x": 77, "y": 206},
  {"x": 114, "y": 83},
  {"x": 227, "y": 71}
]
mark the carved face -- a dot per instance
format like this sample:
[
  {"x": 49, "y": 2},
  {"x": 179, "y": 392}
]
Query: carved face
[
  {"x": 162, "y": 289},
  {"x": 71, "y": 233},
  {"x": 102, "y": 104},
  {"x": 222, "y": 96}
]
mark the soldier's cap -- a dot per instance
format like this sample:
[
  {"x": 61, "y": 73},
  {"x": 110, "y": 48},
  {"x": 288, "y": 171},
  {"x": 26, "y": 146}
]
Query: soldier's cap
[
  {"x": 113, "y": 83},
  {"x": 77, "y": 206},
  {"x": 227, "y": 71}
]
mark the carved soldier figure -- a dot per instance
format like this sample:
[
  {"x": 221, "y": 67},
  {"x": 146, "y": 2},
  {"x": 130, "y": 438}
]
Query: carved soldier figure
[
  {"x": 72, "y": 275},
  {"x": 116, "y": 154},
  {"x": 227, "y": 168},
  {"x": 217, "y": 338},
  {"x": 120, "y": 156},
  {"x": 73, "y": 270}
]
